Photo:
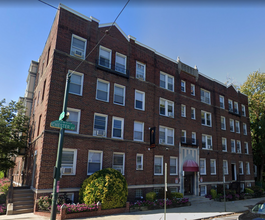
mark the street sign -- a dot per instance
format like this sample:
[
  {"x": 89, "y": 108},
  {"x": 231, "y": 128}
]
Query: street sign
[
  {"x": 62, "y": 124},
  {"x": 62, "y": 116}
]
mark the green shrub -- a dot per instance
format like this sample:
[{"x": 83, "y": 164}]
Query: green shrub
[
  {"x": 249, "y": 191},
  {"x": 161, "y": 194},
  {"x": 177, "y": 195},
  {"x": 151, "y": 196},
  {"x": 258, "y": 191},
  {"x": 213, "y": 193},
  {"x": 4, "y": 184},
  {"x": 107, "y": 186}
]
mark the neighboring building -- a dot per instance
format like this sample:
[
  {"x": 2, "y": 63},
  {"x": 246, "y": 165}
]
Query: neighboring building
[{"x": 117, "y": 94}]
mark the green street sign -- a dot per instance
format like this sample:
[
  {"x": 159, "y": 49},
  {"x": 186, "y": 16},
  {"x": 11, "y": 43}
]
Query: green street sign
[
  {"x": 62, "y": 116},
  {"x": 62, "y": 124}
]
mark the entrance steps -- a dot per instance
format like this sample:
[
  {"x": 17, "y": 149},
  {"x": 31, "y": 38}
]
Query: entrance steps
[
  {"x": 197, "y": 199},
  {"x": 23, "y": 200}
]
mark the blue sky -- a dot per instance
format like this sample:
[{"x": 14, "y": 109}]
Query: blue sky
[{"x": 225, "y": 40}]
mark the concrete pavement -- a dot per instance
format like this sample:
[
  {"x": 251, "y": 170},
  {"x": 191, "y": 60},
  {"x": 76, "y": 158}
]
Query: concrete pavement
[{"x": 197, "y": 210}]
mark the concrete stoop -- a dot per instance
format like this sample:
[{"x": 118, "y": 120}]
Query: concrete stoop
[{"x": 196, "y": 199}]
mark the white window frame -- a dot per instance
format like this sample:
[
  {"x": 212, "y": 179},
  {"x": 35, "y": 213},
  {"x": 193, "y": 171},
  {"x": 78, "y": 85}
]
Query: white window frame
[
  {"x": 238, "y": 147},
  {"x": 123, "y": 163},
  {"x": 243, "y": 107},
  {"x": 100, "y": 132},
  {"x": 138, "y": 193},
  {"x": 223, "y": 123},
  {"x": 237, "y": 127},
  {"x": 246, "y": 147},
  {"x": 233, "y": 141},
  {"x": 241, "y": 168},
  {"x": 230, "y": 105},
  {"x": 101, "y": 48},
  {"x": 78, "y": 120},
  {"x": 205, "y": 114},
  {"x": 183, "y": 86},
  {"x": 143, "y": 101},
  {"x": 225, "y": 168},
  {"x": 183, "y": 110},
  {"x": 193, "y": 110},
  {"x": 192, "y": 89},
  {"x": 137, "y": 75},
  {"x": 81, "y": 84},
  {"x": 108, "y": 84},
  {"x": 167, "y": 76},
  {"x": 167, "y": 104},
  {"x": 123, "y": 95},
  {"x": 161, "y": 173},
  {"x": 224, "y": 143},
  {"x": 245, "y": 128},
  {"x": 205, "y": 190},
  {"x": 175, "y": 164},
  {"x": 183, "y": 136},
  {"x": 236, "y": 107},
  {"x": 203, "y": 98},
  {"x": 166, "y": 135},
  {"x": 247, "y": 168},
  {"x": 142, "y": 130},
  {"x": 74, "y": 162},
  {"x": 125, "y": 61},
  {"x": 222, "y": 101},
  {"x": 122, "y": 127},
  {"x": 232, "y": 125},
  {"x": 193, "y": 138},
  {"x": 101, "y": 160},
  {"x": 207, "y": 138},
  {"x": 204, "y": 166},
  {"x": 213, "y": 162},
  {"x": 139, "y": 166},
  {"x": 73, "y": 48}
]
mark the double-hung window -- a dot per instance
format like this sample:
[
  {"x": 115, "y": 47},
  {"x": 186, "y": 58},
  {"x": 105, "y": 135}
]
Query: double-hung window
[
  {"x": 94, "y": 161},
  {"x": 76, "y": 83},
  {"x": 205, "y": 96},
  {"x": 118, "y": 162},
  {"x": 230, "y": 105},
  {"x": 158, "y": 163},
  {"x": 247, "y": 168},
  {"x": 183, "y": 136},
  {"x": 237, "y": 127},
  {"x": 120, "y": 63},
  {"x": 139, "y": 161},
  {"x": 225, "y": 167},
  {"x": 102, "y": 90},
  {"x": 202, "y": 166},
  {"x": 166, "y": 81},
  {"x": 69, "y": 161},
  {"x": 241, "y": 169},
  {"x": 173, "y": 166},
  {"x": 243, "y": 110},
  {"x": 232, "y": 125},
  {"x": 138, "y": 131},
  {"x": 238, "y": 146},
  {"x": 78, "y": 47},
  {"x": 183, "y": 86},
  {"x": 203, "y": 190},
  {"x": 224, "y": 144},
  {"x": 193, "y": 138},
  {"x": 245, "y": 129},
  {"x": 183, "y": 110},
  {"x": 139, "y": 100},
  {"x": 213, "y": 166},
  {"x": 207, "y": 142},
  {"x": 233, "y": 147},
  {"x": 206, "y": 118},
  {"x": 236, "y": 107},
  {"x": 117, "y": 127},
  {"x": 193, "y": 114},
  {"x": 74, "y": 118},
  {"x": 166, "y": 108},
  {"x": 223, "y": 126},
  {"x": 166, "y": 135},
  {"x": 104, "y": 57},
  {"x": 246, "y": 147},
  {"x": 222, "y": 101},
  {"x": 119, "y": 94},
  {"x": 100, "y": 125},
  {"x": 192, "y": 89},
  {"x": 140, "y": 70}
]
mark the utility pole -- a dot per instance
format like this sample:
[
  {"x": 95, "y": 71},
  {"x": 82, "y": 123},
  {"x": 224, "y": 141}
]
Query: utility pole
[
  {"x": 57, "y": 168},
  {"x": 165, "y": 202},
  {"x": 224, "y": 187}
]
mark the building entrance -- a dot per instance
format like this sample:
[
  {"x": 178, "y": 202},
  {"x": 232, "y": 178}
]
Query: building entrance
[{"x": 188, "y": 183}]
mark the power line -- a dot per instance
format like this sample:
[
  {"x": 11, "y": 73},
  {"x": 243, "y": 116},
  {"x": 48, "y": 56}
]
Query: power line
[{"x": 48, "y": 4}]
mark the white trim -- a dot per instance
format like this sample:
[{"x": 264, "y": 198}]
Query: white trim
[
  {"x": 101, "y": 159},
  {"x": 167, "y": 103},
  {"x": 95, "y": 131},
  {"x": 78, "y": 120},
  {"x": 124, "y": 92},
  {"x": 143, "y": 93},
  {"x": 122, "y": 126},
  {"x": 74, "y": 161},
  {"x": 117, "y": 26},
  {"x": 144, "y": 65},
  {"x": 72, "y": 48},
  {"x": 222, "y": 117},
  {"x": 204, "y": 173},
  {"x": 205, "y": 118},
  {"x": 192, "y": 108},
  {"x": 166, "y": 81},
  {"x": 102, "y": 48},
  {"x": 125, "y": 58},
  {"x": 74, "y": 12},
  {"x": 106, "y": 82},
  {"x": 166, "y": 135},
  {"x": 70, "y": 194},
  {"x": 161, "y": 173},
  {"x": 142, "y": 124},
  {"x": 173, "y": 174},
  {"x": 142, "y": 161},
  {"x": 213, "y": 160},
  {"x": 123, "y": 163},
  {"x": 82, "y": 81}
]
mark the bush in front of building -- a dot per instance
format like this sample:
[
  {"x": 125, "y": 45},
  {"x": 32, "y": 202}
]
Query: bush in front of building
[
  {"x": 177, "y": 195},
  {"x": 161, "y": 194},
  {"x": 107, "y": 186},
  {"x": 213, "y": 193},
  {"x": 258, "y": 191},
  {"x": 151, "y": 196},
  {"x": 249, "y": 191}
]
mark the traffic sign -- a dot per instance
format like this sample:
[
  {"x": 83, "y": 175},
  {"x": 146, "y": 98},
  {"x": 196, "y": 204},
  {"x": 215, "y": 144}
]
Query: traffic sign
[{"x": 62, "y": 124}]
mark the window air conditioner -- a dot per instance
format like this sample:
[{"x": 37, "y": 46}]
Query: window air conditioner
[
  {"x": 161, "y": 141},
  {"x": 140, "y": 76},
  {"x": 210, "y": 147},
  {"x": 78, "y": 53},
  {"x": 100, "y": 133},
  {"x": 170, "y": 114},
  {"x": 67, "y": 170}
]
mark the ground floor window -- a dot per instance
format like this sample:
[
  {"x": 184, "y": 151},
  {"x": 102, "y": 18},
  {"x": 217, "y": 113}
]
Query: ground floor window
[
  {"x": 174, "y": 189},
  {"x": 118, "y": 162},
  {"x": 138, "y": 193},
  {"x": 203, "y": 190}
]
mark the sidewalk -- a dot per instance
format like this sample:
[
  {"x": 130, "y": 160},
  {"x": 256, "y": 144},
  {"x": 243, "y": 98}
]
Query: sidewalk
[{"x": 197, "y": 210}]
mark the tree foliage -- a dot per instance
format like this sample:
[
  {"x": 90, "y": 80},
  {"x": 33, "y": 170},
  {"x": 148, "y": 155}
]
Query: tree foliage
[
  {"x": 13, "y": 130},
  {"x": 254, "y": 88}
]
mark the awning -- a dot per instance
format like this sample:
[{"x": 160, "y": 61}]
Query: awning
[{"x": 190, "y": 166}]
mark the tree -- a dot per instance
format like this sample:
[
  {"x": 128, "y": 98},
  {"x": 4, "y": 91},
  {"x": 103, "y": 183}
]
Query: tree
[
  {"x": 13, "y": 133},
  {"x": 254, "y": 88}
]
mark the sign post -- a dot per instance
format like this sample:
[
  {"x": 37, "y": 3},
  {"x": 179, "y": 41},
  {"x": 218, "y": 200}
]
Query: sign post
[{"x": 165, "y": 202}]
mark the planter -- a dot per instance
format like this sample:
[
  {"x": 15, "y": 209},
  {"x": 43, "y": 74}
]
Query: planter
[
  {"x": 144, "y": 208},
  {"x": 187, "y": 204},
  {"x": 134, "y": 209},
  {"x": 247, "y": 197}
]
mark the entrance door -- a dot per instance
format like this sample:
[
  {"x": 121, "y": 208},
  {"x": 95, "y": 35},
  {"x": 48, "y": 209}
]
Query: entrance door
[
  {"x": 233, "y": 169},
  {"x": 188, "y": 183}
]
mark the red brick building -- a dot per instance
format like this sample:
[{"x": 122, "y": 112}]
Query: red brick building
[{"x": 119, "y": 92}]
